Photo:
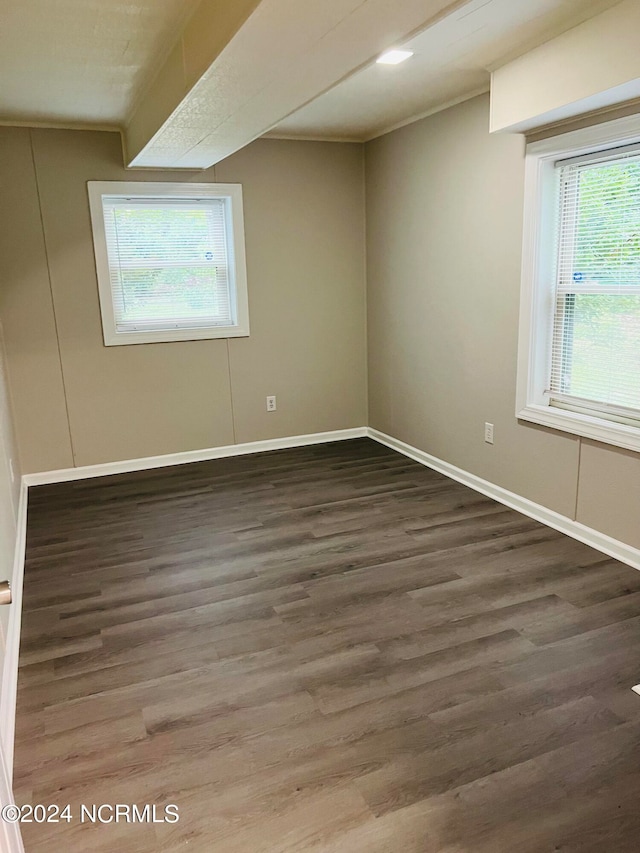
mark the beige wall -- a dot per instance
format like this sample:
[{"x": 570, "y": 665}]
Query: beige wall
[
  {"x": 444, "y": 220},
  {"x": 444, "y": 233},
  {"x": 79, "y": 402}
]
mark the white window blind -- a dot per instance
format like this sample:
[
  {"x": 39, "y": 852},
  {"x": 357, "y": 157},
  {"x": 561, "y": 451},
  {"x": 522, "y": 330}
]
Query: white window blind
[
  {"x": 595, "y": 359},
  {"x": 169, "y": 263}
]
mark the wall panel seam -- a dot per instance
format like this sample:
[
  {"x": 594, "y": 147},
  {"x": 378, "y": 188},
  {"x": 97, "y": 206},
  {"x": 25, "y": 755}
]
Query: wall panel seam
[
  {"x": 53, "y": 304},
  {"x": 233, "y": 413},
  {"x": 575, "y": 509}
]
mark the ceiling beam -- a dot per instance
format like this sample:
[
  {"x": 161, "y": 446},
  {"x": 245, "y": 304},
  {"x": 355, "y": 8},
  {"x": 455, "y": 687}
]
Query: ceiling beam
[
  {"x": 205, "y": 35},
  {"x": 241, "y": 66}
]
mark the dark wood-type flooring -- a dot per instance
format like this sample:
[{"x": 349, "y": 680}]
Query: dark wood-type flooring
[{"x": 331, "y": 650}]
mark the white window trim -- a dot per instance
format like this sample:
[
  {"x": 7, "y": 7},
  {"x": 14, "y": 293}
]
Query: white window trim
[
  {"x": 144, "y": 189},
  {"x": 540, "y": 214}
]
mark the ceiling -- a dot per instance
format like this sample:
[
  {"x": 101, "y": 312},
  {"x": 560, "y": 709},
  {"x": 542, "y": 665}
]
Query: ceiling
[
  {"x": 81, "y": 62},
  {"x": 190, "y": 81},
  {"x": 452, "y": 60}
]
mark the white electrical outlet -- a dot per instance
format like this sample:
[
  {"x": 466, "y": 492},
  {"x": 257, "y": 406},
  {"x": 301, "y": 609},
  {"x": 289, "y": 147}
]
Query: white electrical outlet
[
  {"x": 488, "y": 433},
  {"x": 271, "y": 403}
]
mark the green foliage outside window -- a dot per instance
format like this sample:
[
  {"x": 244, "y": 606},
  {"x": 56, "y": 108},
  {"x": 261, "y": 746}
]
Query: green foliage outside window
[{"x": 602, "y": 347}]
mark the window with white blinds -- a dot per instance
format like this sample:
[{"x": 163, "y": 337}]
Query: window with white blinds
[
  {"x": 170, "y": 261},
  {"x": 579, "y": 340},
  {"x": 595, "y": 350}
]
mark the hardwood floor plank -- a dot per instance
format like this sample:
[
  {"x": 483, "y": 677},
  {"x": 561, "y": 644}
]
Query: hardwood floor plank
[{"x": 318, "y": 650}]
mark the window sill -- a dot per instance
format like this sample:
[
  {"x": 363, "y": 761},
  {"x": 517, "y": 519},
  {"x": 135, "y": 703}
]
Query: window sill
[
  {"x": 585, "y": 426},
  {"x": 112, "y": 339}
]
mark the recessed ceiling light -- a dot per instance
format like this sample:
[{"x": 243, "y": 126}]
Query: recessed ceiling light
[{"x": 394, "y": 57}]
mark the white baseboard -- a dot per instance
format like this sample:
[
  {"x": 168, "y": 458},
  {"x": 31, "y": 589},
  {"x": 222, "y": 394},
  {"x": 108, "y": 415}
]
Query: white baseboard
[
  {"x": 9, "y": 689},
  {"x": 64, "y": 475},
  {"x": 600, "y": 541}
]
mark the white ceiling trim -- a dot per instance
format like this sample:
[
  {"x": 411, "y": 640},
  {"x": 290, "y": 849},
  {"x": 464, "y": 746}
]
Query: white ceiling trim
[
  {"x": 61, "y": 125},
  {"x": 284, "y": 137}
]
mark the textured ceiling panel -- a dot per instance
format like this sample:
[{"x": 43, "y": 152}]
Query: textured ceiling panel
[
  {"x": 81, "y": 61},
  {"x": 450, "y": 63}
]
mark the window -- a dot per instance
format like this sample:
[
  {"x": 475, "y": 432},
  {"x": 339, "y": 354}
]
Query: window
[
  {"x": 579, "y": 362},
  {"x": 170, "y": 261}
]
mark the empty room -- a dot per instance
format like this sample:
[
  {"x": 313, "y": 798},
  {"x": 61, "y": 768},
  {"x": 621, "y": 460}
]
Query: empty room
[{"x": 319, "y": 426}]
